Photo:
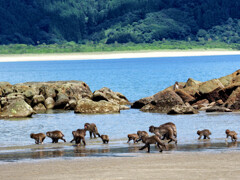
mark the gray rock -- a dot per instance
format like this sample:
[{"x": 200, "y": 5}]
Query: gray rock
[{"x": 49, "y": 103}]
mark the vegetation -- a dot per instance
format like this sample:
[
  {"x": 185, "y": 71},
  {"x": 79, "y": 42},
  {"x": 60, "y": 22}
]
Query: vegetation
[{"x": 96, "y": 25}]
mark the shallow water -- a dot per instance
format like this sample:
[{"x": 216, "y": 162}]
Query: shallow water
[{"x": 135, "y": 78}]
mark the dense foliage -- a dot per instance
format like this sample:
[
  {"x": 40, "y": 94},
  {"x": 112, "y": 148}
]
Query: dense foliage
[{"x": 36, "y": 22}]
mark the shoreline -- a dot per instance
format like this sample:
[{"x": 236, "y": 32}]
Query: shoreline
[
  {"x": 154, "y": 165},
  {"x": 113, "y": 55}
]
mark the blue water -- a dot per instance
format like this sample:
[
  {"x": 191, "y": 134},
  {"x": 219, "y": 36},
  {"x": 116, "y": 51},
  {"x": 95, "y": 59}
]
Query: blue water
[{"x": 135, "y": 78}]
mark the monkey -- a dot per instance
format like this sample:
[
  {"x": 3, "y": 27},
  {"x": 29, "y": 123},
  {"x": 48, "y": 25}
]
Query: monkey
[
  {"x": 55, "y": 136},
  {"x": 78, "y": 136},
  {"x": 232, "y": 134},
  {"x": 173, "y": 127},
  {"x": 133, "y": 137},
  {"x": 39, "y": 138},
  {"x": 152, "y": 140},
  {"x": 176, "y": 86},
  {"x": 140, "y": 134},
  {"x": 165, "y": 131},
  {"x": 105, "y": 139},
  {"x": 205, "y": 133},
  {"x": 92, "y": 128}
]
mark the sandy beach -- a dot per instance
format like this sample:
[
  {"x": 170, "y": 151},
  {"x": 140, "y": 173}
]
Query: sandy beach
[
  {"x": 155, "y": 166},
  {"x": 113, "y": 55}
]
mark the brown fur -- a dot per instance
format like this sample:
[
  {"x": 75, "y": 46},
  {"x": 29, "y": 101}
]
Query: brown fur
[
  {"x": 172, "y": 125},
  {"x": 165, "y": 131},
  {"x": 152, "y": 140},
  {"x": 133, "y": 137},
  {"x": 105, "y": 139},
  {"x": 92, "y": 128},
  {"x": 140, "y": 134},
  {"x": 232, "y": 134},
  {"x": 78, "y": 136},
  {"x": 205, "y": 133},
  {"x": 39, "y": 138},
  {"x": 55, "y": 136}
]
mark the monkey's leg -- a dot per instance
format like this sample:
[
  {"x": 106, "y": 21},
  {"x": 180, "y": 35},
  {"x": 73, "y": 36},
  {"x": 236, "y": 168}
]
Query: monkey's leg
[
  {"x": 200, "y": 136},
  {"x": 72, "y": 140},
  {"x": 98, "y": 134},
  {"x": 129, "y": 139},
  {"x": 208, "y": 137},
  {"x": 83, "y": 140},
  {"x": 94, "y": 134},
  {"x": 148, "y": 148},
  {"x": 160, "y": 149},
  {"x": 146, "y": 145},
  {"x": 90, "y": 134},
  {"x": 63, "y": 139},
  {"x": 204, "y": 137}
]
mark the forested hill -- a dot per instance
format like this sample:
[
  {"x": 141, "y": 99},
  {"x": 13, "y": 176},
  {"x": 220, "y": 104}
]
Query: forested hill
[{"x": 110, "y": 21}]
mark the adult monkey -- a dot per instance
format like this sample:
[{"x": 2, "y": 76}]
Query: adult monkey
[
  {"x": 78, "y": 136},
  {"x": 173, "y": 126},
  {"x": 39, "y": 138},
  {"x": 152, "y": 140},
  {"x": 92, "y": 128},
  {"x": 164, "y": 132},
  {"x": 55, "y": 136}
]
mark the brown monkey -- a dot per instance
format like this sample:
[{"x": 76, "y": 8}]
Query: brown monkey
[
  {"x": 55, "y": 136},
  {"x": 173, "y": 126},
  {"x": 140, "y": 134},
  {"x": 152, "y": 140},
  {"x": 78, "y": 136},
  {"x": 205, "y": 133},
  {"x": 92, "y": 128},
  {"x": 105, "y": 139},
  {"x": 133, "y": 137},
  {"x": 39, "y": 138},
  {"x": 165, "y": 131},
  {"x": 232, "y": 134}
]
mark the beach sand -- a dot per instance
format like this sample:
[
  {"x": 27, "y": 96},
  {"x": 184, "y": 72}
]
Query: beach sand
[
  {"x": 198, "y": 165},
  {"x": 113, "y": 55}
]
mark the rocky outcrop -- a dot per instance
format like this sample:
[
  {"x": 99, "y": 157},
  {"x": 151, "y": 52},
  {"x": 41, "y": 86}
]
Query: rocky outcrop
[
  {"x": 41, "y": 96},
  {"x": 110, "y": 96},
  {"x": 218, "y": 109},
  {"x": 163, "y": 101},
  {"x": 87, "y": 106},
  {"x": 212, "y": 94}
]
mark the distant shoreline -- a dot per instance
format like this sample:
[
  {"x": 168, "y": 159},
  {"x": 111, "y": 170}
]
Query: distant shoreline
[{"x": 113, "y": 55}]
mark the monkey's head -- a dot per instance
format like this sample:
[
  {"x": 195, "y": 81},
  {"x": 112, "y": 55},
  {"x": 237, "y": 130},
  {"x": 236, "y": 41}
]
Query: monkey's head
[
  {"x": 86, "y": 126},
  {"x": 198, "y": 132},
  {"x": 31, "y": 135},
  {"x": 73, "y": 133},
  {"x": 151, "y": 129},
  {"x": 227, "y": 131},
  {"x": 48, "y": 134}
]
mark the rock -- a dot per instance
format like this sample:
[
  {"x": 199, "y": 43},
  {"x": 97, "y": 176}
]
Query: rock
[
  {"x": 233, "y": 102},
  {"x": 108, "y": 95},
  {"x": 163, "y": 101},
  {"x": 62, "y": 100},
  {"x": 182, "y": 109},
  {"x": 6, "y": 88},
  {"x": 185, "y": 96},
  {"x": 209, "y": 86},
  {"x": 17, "y": 108},
  {"x": 71, "y": 104},
  {"x": 230, "y": 79},
  {"x": 87, "y": 106},
  {"x": 142, "y": 102},
  {"x": 218, "y": 109},
  {"x": 192, "y": 83},
  {"x": 39, "y": 108},
  {"x": 38, "y": 99},
  {"x": 124, "y": 107},
  {"x": 49, "y": 103}
]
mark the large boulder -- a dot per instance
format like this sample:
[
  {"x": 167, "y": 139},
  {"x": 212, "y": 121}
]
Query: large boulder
[
  {"x": 185, "y": 96},
  {"x": 49, "y": 103},
  {"x": 61, "y": 101},
  {"x": 38, "y": 99},
  {"x": 163, "y": 101},
  {"x": 233, "y": 101},
  {"x": 142, "y": 102},
  {"x": 191, "y": 83},
  {"x": 16, "y": 108},
  {"x": 39, "y": 108},
  {"x": 87, "y": 106},
  {"x": 182, "y": 109},
  {"x": 231, "y": 78},
  {"x": 209, "y": 86},
  {"x": 108, "y": 95}
]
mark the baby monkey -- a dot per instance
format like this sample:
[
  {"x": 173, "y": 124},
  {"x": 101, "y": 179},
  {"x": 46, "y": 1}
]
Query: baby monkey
[
  {"x": 232, "y": 134},
  {"x": 205, "y": 133}
]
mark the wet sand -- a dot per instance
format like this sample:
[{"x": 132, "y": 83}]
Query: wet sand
[
  {"x": 164, "y": 165},
  {"x": 114, "y": 55}
]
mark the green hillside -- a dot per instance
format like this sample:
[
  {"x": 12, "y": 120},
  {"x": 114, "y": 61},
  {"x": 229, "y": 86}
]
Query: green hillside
[{"x": 35, "y": 22}]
